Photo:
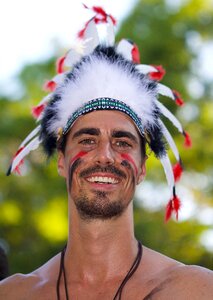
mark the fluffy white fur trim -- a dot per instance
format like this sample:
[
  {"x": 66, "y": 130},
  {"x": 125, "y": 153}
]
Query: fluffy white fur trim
[{"x": 100, "y": 78}]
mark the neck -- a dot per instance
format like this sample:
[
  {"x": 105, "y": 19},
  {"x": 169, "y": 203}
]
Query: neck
[{"x": 97, "y": 250}]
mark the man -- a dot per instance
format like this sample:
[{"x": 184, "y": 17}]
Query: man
[{"x": 99, "y": 117}]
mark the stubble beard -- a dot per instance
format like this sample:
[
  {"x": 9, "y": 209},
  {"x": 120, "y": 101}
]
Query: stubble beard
[{"x": 99, "y": 206}]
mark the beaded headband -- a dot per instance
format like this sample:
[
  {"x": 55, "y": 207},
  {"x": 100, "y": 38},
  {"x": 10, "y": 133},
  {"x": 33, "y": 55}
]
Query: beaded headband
[
  {"x": 106, "y": 76},
  {"x": 104, "y": 104}
]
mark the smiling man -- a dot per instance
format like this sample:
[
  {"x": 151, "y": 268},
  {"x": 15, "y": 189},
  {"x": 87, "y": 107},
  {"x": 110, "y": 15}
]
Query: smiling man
[
  {"x": 109, "y": 163},
  {"x": 102, "y": 112}
]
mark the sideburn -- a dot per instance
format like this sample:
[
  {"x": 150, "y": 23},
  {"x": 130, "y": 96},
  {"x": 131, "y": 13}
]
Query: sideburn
[{"x": 72, "y": 169}]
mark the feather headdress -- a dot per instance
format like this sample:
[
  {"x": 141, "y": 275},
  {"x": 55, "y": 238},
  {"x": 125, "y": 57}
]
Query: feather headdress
[{"x": 87, "y": 80}]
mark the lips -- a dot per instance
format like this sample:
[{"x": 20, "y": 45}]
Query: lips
[
  {"x": 102, "y": 179},
  {"x": 103, "y": 182}
]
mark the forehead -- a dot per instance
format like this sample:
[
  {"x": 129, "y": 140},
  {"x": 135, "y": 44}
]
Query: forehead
[{"x": 106, "y": 121}]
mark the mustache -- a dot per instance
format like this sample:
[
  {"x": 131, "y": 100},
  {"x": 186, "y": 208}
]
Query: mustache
[{"x": 108, "y": 169}]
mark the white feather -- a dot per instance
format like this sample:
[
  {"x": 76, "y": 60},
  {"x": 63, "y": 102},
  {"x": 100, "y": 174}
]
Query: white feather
[
  {"x": 30, "y": 147},
  {"x": 168, "y": 171},
  {"x": 124, "y": 48},
  {"x": 73, "y": 56},
  {"x": 91, "y": 37},
  {"x": 145, "y": 69},
  {"x": 79, "y": 49},
  {"x": 165, "y": 91},
  {"x": 170, "y": 140},
  {"x": 170, "y": 116},
  {"x": 59, "y": 78},
  {"x": 110, "y": 36},
  {"x": 97, "y": 78},
  {"x": 30, "y": 136}
]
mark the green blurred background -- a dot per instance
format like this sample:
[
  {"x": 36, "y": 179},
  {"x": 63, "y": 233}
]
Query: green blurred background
[{"x": 33, "y": 208}]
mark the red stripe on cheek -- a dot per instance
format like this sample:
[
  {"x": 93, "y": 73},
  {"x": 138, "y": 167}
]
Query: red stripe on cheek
[
  {"x": 128, "y": 157},
  {"x": 78, "y": 155}
]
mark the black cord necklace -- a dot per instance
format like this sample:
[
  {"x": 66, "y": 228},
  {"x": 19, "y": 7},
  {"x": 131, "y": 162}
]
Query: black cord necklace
[{"x": 119, "y": 290}]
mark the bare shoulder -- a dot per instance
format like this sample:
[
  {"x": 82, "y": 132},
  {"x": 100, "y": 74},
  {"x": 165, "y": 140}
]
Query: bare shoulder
[
  {"x": 194, "y": 272},
  {"x": 196, "y": 280},
  {"x": 30, "y": 286},
  {"x": 187, "y": 282},
  {"x": 18, "y": 286},
  {"x": 170, "y": 279}
]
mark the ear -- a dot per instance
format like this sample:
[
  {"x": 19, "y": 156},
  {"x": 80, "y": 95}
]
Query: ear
[
  {"x": 142, "y": 172},
  {"x": 61, "y": 164}
]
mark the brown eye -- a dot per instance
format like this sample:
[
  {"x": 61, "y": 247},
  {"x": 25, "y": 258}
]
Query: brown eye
[
  {"x": 123, "y": 144},
  {"x": 87, "y": 141}
]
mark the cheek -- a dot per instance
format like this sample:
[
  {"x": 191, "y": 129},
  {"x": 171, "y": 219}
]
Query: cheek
[
  {"x": 74, "y": 163},
  {"x": 77, "y": 156},
  {"x": 131, "y": 161}
]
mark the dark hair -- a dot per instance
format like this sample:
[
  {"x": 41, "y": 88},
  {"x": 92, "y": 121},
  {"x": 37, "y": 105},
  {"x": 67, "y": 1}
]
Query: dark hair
[{"x": 4, "y": 268}]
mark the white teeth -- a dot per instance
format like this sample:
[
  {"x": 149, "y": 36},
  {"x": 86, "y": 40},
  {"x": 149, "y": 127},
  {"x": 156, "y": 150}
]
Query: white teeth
[{"x": 101, "y": 179}]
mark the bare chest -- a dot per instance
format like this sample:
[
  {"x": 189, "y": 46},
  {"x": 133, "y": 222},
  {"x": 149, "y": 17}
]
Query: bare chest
[{"x": 133, "y": 289}]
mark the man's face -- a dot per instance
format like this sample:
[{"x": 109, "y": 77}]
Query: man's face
[{"x": 102, "y": 164}]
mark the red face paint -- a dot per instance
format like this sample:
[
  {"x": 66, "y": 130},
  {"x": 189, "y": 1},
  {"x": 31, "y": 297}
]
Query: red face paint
[
  {"x": 128, "y": 158},
  {"x": 78, "y": 155}
]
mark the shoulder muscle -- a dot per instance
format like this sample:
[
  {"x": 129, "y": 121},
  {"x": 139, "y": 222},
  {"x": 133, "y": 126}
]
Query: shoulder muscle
[{"x": 17, "y": 286}]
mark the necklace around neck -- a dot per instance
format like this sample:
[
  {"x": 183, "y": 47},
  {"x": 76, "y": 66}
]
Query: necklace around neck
[{"x": 120, "y": 288}]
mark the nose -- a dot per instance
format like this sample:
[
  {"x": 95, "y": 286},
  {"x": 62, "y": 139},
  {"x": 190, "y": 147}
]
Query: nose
[{"x": 105, "y": 154}]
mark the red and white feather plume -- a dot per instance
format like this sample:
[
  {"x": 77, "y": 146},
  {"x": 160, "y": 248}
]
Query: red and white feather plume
[{"x": 130, "y": 92}]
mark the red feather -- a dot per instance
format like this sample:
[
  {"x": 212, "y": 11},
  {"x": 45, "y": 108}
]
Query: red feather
[
  {"x": 17, "y": 168},
  {"x": 99, "y": 10},
  {"x": 173, "y": 206},
  {"x": 37, "y": 110},
  {"x": 100, "y": 17},
  {"x": 113, "y": 20},
  {"x": 188, "y": 141},
  {"x": 60, "y": 64},
  {"x": 179, "y": 101},
  {"x": 99, "y": 20},
  {"x": 135, "y": 54},
  {"x": 19, "y": 150},
  {"x": 49, "y": 86},
  {"x": 82, "y": 31},
  {"x": 157, "y": 75},
  {"x": 177, "y": 171},
  {"x": 168, "y": 211}
]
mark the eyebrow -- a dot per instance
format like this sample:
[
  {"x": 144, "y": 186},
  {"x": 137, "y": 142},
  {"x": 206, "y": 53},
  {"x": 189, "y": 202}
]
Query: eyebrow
[
  {"x": 89, "y": 131},
  {"x": 123, "y": 133},
  {"x": 97, "y": 132}
]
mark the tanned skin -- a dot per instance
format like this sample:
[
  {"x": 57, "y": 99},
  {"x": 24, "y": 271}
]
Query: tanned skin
[{"x": 101, "y": 246}]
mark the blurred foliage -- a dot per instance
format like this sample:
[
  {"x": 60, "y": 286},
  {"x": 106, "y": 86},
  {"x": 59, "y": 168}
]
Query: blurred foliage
[{"x": 33, "y": 209}]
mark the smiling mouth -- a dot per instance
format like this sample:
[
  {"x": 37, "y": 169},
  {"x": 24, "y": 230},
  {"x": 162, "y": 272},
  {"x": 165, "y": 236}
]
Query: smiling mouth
[{"x": 102, "y": 180}]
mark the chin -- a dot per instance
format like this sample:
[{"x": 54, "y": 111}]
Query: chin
[{"x": 100, "y": 207}]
